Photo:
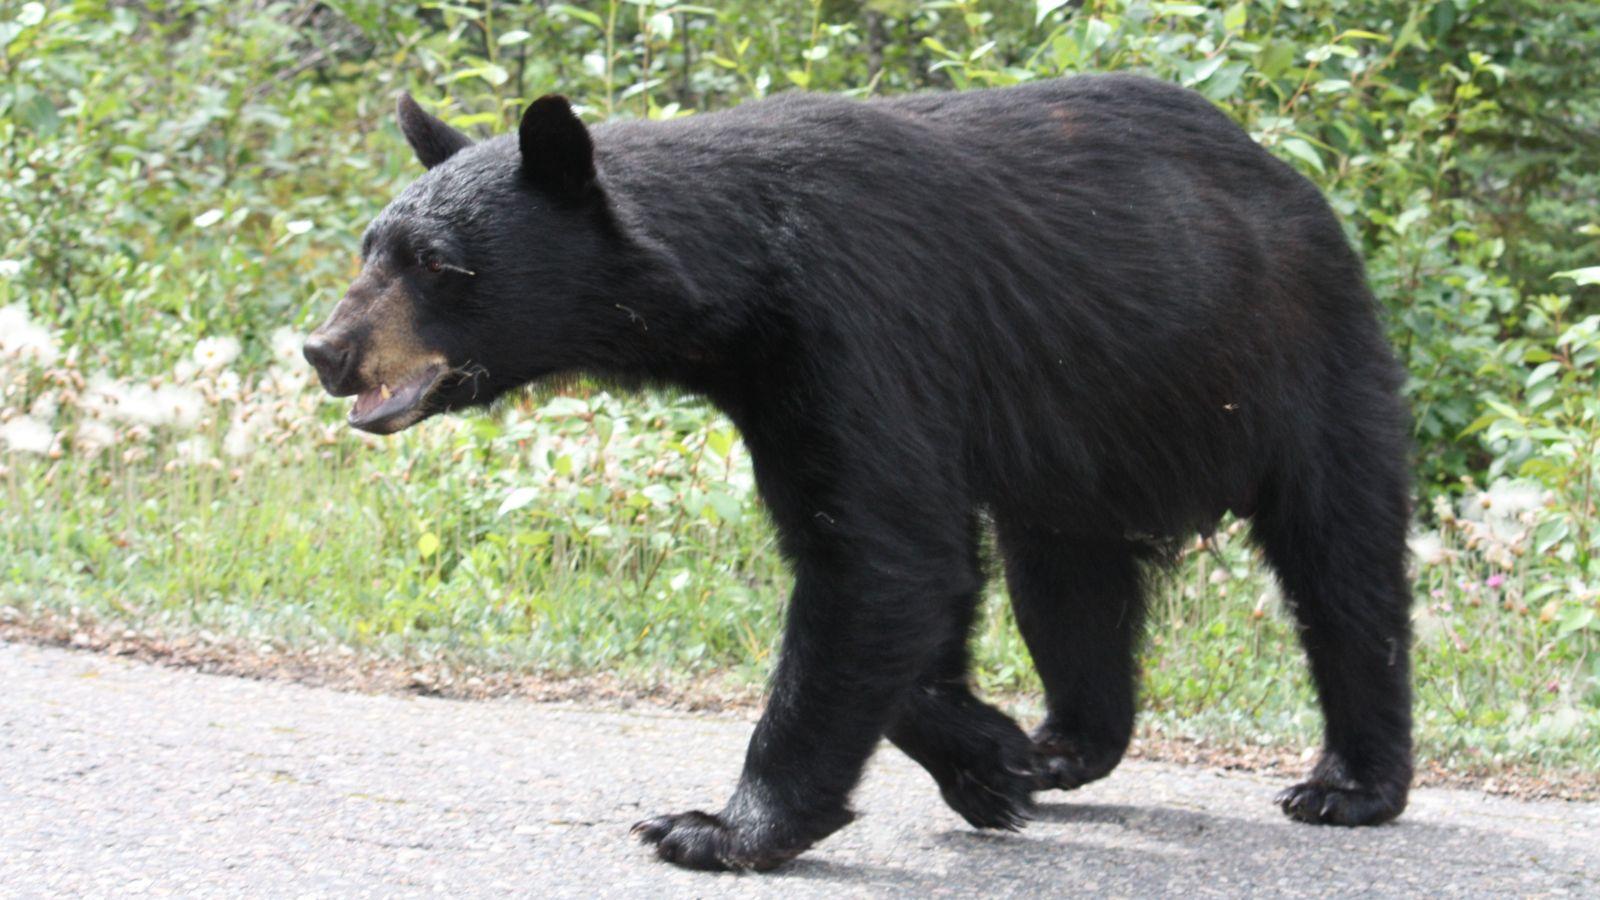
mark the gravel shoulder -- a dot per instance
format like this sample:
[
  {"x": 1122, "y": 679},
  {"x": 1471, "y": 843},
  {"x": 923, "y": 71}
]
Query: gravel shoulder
[{"x": 121, "y": 777}]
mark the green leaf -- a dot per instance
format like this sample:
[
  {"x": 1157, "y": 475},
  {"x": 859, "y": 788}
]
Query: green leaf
[
  {"x": 1204, "y": 70},
  {"x": 1503, "y": 409},
  {"x": 428, "y": 544},
  {"x": 568, "y": 11},
  {"x": 720, "y": 441},
  {"x": 1478, "y": 424},
  {"x": 512, "y": 37},
  {"x": 1587, "y": 275},
  {"x": 517, "y": 499},
  {"x": 1236, "y": 16},
  {"x": 1577, "y": 618},
  {"x": 1409, "y": 32},
  {"x": 661, "y": 25},
  {"x": 1043, "y": 8},
  {"x": 1543, "y": 372},
  {"x": 493, "y": 73},
  {"x": 1301, "y": 150},
  {"x": 1363, "y": 35},
  {"x": 727, "y": 508},
  {"x": 466, "y": 12},
  {"x": 1222, "y": 84},
  {"x": 1275, "y": 59},
  {"x": 472, "y": 119},
  {"x": 1549, "y": 534}
]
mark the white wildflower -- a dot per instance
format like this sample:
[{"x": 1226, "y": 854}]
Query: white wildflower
[
  {"x": 213, "y": 353},
  {"x": 9, "y": 268},
  {"x": 228, "y": 385},
  {"x": 138, "y": 404},
  {"x": 101, "y": 397},
  {"x": 240, "y": 441},
  {"x": 180, "y": 406},
  {"x": 1428, "y": 548},
  {"x": 91, "y": 436},
  {"x": 192, "y": 451},
  {"x": 287, "y": 380},
  {"x": 25, "y": 434},
  {"x": 1427, "y": 623},
  {"x": 184, "y": 370},
  {"x": 45, "y": 407},
  {"x": 1502, "y": 506},
  {"x": 286, "y": 343},
  {"x": 24, "y": 339},
  {"x": 1506, "y": 499}
]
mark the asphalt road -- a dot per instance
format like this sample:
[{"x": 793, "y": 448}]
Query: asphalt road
[{"x": 120, "y": 778}]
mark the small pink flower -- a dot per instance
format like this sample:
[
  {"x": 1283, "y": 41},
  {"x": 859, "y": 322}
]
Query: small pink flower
[
  {"x": 1437, "y": 593},
  {"x": 1496, "y": 580}
]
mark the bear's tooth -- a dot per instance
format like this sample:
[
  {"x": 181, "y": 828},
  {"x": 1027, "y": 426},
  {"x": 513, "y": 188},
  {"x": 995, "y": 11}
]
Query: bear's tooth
[{"x": 383, "y": 392}]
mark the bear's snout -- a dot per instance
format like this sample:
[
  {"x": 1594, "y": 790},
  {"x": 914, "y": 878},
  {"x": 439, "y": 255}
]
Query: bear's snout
[{"x": 332, "y": 360}]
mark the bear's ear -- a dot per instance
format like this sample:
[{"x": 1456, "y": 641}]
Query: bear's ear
[
  {"x": 431, "y": 139},
  {"x": 557, "y": 155}
]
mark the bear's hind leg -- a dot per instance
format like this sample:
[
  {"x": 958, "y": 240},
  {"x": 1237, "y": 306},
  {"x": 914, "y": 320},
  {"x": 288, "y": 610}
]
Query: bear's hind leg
[
  {"x": 1080, "y": 608},
  {"x": 980, "y": 758},
  {"x": 1338, "y": 546}
]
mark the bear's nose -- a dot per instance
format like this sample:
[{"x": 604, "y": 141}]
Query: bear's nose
[{"x": 330, "y": 358}]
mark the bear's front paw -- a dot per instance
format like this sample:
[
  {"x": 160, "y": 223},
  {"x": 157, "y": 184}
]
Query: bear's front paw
[
  {"x": 996, "y": 796},
  {"x": 699, "y": 840}
]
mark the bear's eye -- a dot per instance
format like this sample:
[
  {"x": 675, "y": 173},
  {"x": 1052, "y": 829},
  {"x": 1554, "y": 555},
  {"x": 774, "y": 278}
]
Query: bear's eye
[{"x": 436, "y": 265}]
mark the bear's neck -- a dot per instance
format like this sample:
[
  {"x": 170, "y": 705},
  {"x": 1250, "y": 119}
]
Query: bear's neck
[{"x": 706, "y": 250}]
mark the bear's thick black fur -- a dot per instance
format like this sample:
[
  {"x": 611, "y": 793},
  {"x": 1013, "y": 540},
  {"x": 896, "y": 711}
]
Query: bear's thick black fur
[{"x": 1091, "y": 311}]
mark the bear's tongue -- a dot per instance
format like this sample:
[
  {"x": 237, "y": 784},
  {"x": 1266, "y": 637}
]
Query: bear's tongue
[{"x": 385, "y": 401}]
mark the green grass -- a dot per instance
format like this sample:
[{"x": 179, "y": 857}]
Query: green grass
[{"x": 647, "y": 555}]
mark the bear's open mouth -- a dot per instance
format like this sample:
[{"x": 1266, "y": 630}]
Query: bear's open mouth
[{"x": 387, "y": 408}]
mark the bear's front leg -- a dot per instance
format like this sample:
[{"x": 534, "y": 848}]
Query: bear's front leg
[{"x": 851, "y": 648}]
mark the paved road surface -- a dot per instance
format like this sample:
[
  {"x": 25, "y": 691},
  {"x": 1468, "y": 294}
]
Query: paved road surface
[{"x": 119, "y": 778}]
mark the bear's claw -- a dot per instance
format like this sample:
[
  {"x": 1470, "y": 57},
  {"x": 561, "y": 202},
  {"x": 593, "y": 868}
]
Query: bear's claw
[{"x": 1000, "y": 797}]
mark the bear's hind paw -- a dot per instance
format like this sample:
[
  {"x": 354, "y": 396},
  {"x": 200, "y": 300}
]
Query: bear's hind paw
[{"x": 1321, "y": 803}]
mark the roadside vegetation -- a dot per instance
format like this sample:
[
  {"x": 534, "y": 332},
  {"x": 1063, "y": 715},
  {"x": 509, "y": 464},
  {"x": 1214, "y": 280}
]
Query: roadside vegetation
[{"x": 185, "y": 185}]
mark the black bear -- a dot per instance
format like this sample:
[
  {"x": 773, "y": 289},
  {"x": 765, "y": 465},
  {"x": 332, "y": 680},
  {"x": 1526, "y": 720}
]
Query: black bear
[{"x": 1090, "y": 313}]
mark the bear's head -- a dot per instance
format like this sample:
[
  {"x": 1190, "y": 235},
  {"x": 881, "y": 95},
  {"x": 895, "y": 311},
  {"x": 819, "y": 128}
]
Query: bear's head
[{"x": 491, "y": 270}]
